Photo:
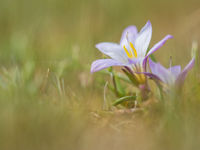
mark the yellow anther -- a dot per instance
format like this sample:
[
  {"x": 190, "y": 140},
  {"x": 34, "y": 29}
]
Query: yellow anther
[
  {"x": 129, "y": 54},
  {"x": 133, "y": 48}
]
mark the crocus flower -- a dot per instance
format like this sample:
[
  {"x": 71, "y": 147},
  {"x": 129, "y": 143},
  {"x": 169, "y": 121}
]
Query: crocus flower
[
  {"x": 130, "y": 52},
  {"x": 169, "y": 76}
]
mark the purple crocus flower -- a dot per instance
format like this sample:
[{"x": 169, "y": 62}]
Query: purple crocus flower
[
  {"x": 171, "y": 76},
  {"x": 130, "y": 52}
]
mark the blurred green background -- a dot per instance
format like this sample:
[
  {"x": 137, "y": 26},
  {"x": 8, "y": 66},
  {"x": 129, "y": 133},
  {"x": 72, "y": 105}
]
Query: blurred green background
[{"x": 49, "y": 99}]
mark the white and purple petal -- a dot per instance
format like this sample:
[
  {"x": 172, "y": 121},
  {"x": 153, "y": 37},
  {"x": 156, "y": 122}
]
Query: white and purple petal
[
  {"x": 104, "y": 63},
  {"x": 160, "y": 71},
  {"x": 175, "y": 70},
  {"x": 115, "y": 51},
  {"x": 130, "y": 32},
  {"x": 156, "y": 47},
  {"x": 136, "y": 61},
  {"x": 159, "y": 44},
  {"x": 180, "y": 79},
  {"x": 143, "y": 39}
]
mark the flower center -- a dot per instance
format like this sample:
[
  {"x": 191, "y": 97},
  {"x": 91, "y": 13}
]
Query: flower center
[{"x": 131, "y": 51}]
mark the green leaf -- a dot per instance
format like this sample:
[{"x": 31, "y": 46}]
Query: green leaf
[
  {"x": 120, "y": 88},
  {"x": 123, "y": 99},
  {"x": 116, "y": 84},
  {"x": 123, "y": 78},
  {"x": 131, "y": 77},
  {"x": 119, "y": 75}
]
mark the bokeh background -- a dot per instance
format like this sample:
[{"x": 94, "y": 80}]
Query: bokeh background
[{"x": 49, "y": 99}]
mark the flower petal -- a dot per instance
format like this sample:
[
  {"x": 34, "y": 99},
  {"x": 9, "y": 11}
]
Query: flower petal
[
  {"x": 104, "y": 63},
  {"x": 175, "y": 70},
  {"x": 143, "y": 39},
  {"x": 144, "y": 63},
  {"x": 156, "y": 47},
  {"x": 160, "y": 71},
  {"x": 131, "y": 32},
  {"x": 183, "y": 74},
  {"x": 115, "y": 51},
  {"x": 159, "y": 44},
  {"x": 136, "y": 61}
]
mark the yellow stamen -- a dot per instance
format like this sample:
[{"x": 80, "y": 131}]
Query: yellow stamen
[
  {"x": 129, "y": 54},
  {"x": 133, "y": 48}
]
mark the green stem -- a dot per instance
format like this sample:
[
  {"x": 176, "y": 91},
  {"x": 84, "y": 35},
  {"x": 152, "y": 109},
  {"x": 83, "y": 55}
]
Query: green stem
[{"x": 123, "y": 99}]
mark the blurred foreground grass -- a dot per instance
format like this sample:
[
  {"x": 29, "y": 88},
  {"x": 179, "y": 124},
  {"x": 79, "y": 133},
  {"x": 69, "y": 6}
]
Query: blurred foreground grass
[{"x": 49, "y": 99}]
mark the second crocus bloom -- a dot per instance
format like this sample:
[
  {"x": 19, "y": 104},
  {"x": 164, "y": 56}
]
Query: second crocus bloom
[{"x": 172, "y": 76}]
